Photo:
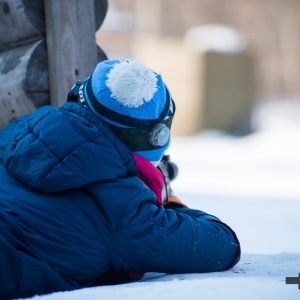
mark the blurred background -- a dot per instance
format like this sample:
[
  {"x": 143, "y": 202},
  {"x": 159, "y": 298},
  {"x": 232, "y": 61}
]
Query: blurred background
[
  {"x": 233, "y": 70},
  {"x": 231, "y": 65}
]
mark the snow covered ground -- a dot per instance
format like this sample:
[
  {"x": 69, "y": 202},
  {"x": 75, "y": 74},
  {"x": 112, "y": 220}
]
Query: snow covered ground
[{"x": 252, "y": 184}]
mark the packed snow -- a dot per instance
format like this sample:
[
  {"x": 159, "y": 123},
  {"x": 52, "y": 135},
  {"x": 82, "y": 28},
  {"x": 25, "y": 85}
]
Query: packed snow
[{"x": 253, "y": 184}]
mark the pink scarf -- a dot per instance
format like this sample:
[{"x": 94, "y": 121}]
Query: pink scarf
[
  {"x": 151, "y": 176},
  {"x": 154, "y": 179}
]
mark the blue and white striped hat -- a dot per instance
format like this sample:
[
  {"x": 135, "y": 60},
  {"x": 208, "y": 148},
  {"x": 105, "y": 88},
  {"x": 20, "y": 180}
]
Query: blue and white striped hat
[{"x": 129, "y": 95}]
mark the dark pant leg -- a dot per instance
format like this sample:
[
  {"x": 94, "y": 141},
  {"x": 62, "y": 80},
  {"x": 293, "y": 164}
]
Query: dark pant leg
[{"x": 21, "y": 273}]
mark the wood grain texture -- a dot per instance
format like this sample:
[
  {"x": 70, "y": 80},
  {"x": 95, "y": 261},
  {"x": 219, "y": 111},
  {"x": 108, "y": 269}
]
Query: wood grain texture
[
  {"x": 37, "y": 77},
  {"x": 21, "y": 22},
  {"x": 23, "y": 74},
  {"x": 72, "y": 51}
]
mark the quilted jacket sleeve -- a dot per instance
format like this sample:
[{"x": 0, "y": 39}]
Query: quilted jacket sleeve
[{"x": 181, "y": 240}]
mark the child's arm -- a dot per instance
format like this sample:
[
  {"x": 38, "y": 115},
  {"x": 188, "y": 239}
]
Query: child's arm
[{"x": 151, "y": 238}]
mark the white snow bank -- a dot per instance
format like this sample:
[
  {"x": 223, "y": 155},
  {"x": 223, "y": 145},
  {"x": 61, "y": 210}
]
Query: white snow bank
[
  {"x": 262, "y": 165},
  {"x": 255, "y": 277},
  {"x": 251, "y": 183}
]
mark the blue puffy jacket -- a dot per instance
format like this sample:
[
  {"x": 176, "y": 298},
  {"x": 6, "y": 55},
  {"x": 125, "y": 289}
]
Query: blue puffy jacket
[{"x": 73, "y": 208}]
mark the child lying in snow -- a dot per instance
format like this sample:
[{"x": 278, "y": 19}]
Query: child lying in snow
[{"x": 81, "y": 199}]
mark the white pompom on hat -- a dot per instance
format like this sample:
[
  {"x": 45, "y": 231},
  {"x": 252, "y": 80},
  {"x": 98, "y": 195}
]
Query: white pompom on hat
[
  {"x": 131, "y": 83},
  {"x": 127, "y": 94}
]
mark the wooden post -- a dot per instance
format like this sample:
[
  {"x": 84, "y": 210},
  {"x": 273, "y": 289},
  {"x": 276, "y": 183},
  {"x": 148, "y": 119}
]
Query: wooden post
[
  {"x": 72, "y": 51},
  {"x": 71, "y": 44}
]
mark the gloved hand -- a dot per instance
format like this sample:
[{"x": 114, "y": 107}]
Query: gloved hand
[{"x": 173, "y": 202}]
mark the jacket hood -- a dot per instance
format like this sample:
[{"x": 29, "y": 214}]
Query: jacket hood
[{"x": 58, "y": 149}]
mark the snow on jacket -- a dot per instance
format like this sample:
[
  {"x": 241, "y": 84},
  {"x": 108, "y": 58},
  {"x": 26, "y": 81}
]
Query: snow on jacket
[{"x": 72, "y": 208}]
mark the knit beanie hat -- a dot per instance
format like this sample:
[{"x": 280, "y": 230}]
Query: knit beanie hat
[{"x": 134, "y": 102}]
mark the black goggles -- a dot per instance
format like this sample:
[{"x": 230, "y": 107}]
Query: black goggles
[{"x": 144, "y": 134}]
